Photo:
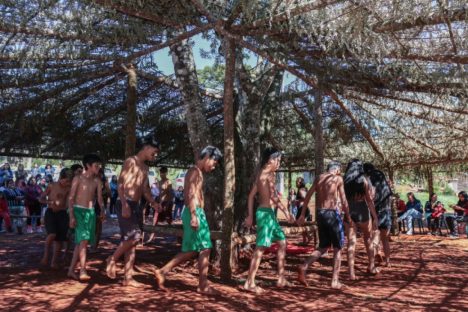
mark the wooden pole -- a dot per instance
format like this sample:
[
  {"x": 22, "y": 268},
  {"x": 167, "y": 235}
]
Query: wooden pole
[
  {"x": 227, "y": 249},
  {"x": 130, "y": 138}
]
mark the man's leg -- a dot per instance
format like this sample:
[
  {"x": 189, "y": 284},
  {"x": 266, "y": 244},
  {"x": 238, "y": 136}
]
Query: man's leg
[
  {"x": 384, "y": 237},
  {"x": 55, "y": 255},
  {"x": 336, "y": 269},
  {"x": 281, "y": 261},
  {"x": 371, "y": 240},
  {"x": 254, "y": 264},
  {"x": 409, "y": 221},
  {"x": 123, "y": 248},
  {"x": 160, "y": 275},
  {"x": 82, "y": 252},
  {"x": 311, "y": 259},
  {"x": 128, "y": 268},
  {"x": 203, "y": 263},
  {"x": 48, "y": 243},
  {"x": 71, "y": 269},
  {"x": 98, "y": 231},
  {"x": 351, "y": 251}
]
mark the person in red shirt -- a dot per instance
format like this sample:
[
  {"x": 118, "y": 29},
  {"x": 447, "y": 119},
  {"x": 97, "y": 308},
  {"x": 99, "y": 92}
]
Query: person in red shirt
[
  {"x": 436, "y": 216},
  {"x": 401, "y": 206},
  {"x": 5, "y": 213}
]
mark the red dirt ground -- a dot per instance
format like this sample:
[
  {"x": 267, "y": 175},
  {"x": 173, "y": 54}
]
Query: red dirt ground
[{"x": 427, "y": 274}]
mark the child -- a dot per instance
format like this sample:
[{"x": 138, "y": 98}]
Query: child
[
  {"x": 197, "y": 239},
  {"x": 437, "y": 215},
  {"x": 268, "y": 229},
  {"x": 5, "y": 213},
  {"x": 56, "y": 217},
  {"x": 82, "y": 217}
]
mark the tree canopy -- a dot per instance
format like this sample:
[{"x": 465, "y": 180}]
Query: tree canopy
[{"x": 392, "y": 72}]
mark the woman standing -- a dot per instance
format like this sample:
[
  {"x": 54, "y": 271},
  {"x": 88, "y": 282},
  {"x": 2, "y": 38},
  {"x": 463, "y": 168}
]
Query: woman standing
[
  {"x": 359, "y": 192},
  {"x": 32, "y": 194},
  {"x": 15, "y": 199}
]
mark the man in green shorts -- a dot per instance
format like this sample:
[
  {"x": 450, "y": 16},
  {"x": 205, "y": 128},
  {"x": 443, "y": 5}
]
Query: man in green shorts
[
  {"x": 196, "y": 239},
  {"x": 268, "y": 229},
  {"x": 85, "y": 189}
]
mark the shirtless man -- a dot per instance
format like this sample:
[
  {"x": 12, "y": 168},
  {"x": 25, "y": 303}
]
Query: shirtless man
[
  {"x": 329, "y": 187},
  {"x": 268, "y": 229},
  {"x": 132, "y": 185},
  {"x": 82, "y": 216},
  {"x": 56, "y": 216},
  {"x": 197, "y": 238},
  {"x": 167, "y": 198}
]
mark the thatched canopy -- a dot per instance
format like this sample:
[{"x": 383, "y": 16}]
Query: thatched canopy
[{"x": 393, "y": 74}]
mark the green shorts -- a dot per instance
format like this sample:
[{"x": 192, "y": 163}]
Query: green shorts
[
  {"x": 85, "y": 228},
  {"x": 268, "y": 229},
  {"x": 199, "y": 239}
]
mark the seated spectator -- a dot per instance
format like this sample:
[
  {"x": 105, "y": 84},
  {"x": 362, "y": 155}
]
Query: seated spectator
[
  {"x": 35, "y": 171},
  {"x": 428, "y": 208},
  {"x": 4, "y": 214},
  {"x": 49, "y": 170},
  {"x": 437, "y": 214},
  {"x": 32, "y": 194},
  {"x": 460, "y": 215},
  {"x": 400, "y": 204},
  {"x": 5, "y": 174},
  {"x": 413, "y": 211}
]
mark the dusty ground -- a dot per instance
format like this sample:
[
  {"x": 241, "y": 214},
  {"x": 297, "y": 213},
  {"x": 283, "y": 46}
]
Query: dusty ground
[{"x": 427, "y": 273}]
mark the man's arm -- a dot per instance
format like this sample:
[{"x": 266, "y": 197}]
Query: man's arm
[
  {"x": 250, "y": 203},
  {"x": 343, "y": 200},
  {"x": 193, "y": 186},
  {"x": 128, "y": 164},
  {"x": 71, "y": 201},
  {"x": 305, "y": 205},
  {"x": 276, "y": 199},
  {"x": 147, "y": 192},
  {"x": 99, "y": 198},
  {"x": 43, "y": 197},
  {"x": 370, "y": 204}
]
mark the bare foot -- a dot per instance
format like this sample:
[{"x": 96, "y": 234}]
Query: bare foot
[
  {"x": 254, "y": 289},
  {"x": 337, "y": 285},
  {"x": 84, "y": 276},
  {"x": 373, "y": 271},
  {"x": 301, "y": 276},
  {"x": 208, "y": 291},
  {"x": 159, "y": 277},
  {"x": 110, "y": 268},
  {"x": 130, "y": 282},
  {"x": 73, "y": 276},
  {"x": 282, "y": 282}
]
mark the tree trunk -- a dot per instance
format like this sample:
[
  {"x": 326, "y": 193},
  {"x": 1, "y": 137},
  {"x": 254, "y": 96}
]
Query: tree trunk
[
  {"x": 318, "y": 139},
  {"x": 430, "y": 180},
  {"x": 130, "y": 138},
  {"x": 198, "y": 128},
  {"x": 227, "y": 248}
]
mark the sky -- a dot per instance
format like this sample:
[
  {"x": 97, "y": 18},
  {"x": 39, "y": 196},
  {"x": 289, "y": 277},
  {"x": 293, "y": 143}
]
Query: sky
[{"x": 164, "y": 60}]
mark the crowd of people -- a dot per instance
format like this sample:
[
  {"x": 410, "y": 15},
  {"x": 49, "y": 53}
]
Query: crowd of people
[{"x": 75, "y": 207}]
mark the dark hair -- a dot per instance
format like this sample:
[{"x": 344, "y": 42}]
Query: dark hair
[
  {"x": 301, "y": 183},
  {"x": 48, "y": 165},
  {"x": 464, "y": 194},
  {"x": 270, "y": 153},
  {"x": 30, "y": 179},
  {"x": 431, "y": 195},
  {"x": 163, "y": 169},
  {"x": 75, "y": 167},
  {"x": 354, "y": 179},
  {"x": 64, "y": 173},
  {"x": 102, "y": 175},
  {"x": 333, "y": 165},
  {"x": 90, "y": 159},
  {"x": 148, "y": 140},
  {"x": 411, "y": 194},
  {"x": 38, "y": 176},
  {"x": 212, "y": 152},
  {"x": 368, "y": 168}
]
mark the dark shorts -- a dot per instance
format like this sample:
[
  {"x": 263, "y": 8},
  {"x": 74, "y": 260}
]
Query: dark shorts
[
  {"x": 299, "y": 211},
  {"x": 330, "y": 228},
  {"x": 166, "y": 213},
  {"x": 384, "y": 214},
  {"x": 130, "y": 228},
  {"x": 358, "y": 211},
  {"x": 56, "y": 222}
]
